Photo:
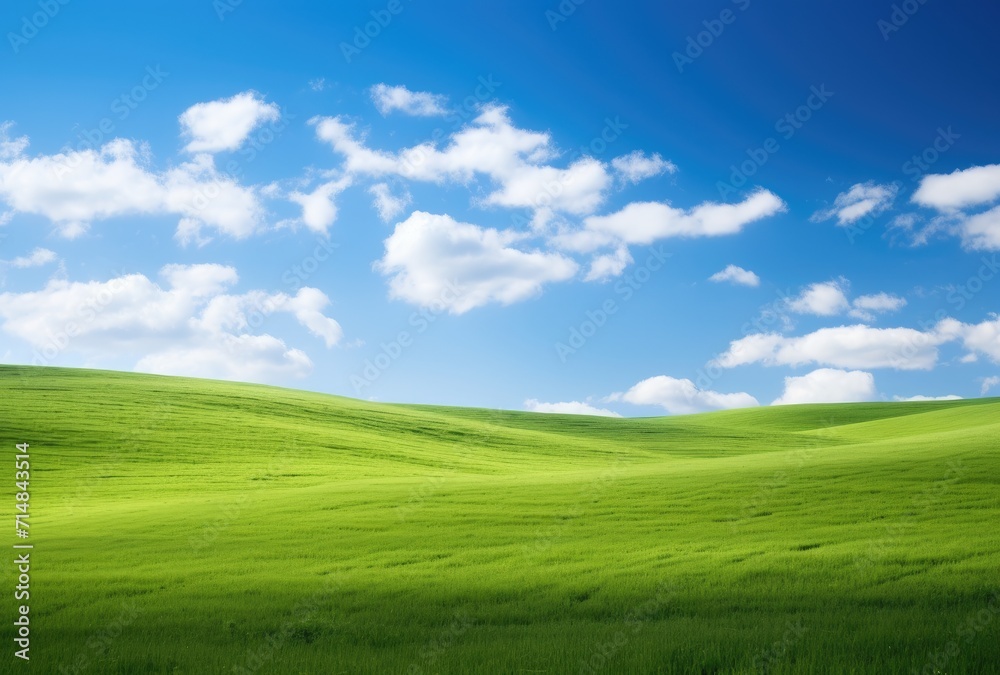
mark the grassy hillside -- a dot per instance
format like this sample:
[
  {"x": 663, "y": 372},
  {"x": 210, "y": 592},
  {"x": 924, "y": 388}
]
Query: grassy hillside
[{"x": 189, "y": 526}]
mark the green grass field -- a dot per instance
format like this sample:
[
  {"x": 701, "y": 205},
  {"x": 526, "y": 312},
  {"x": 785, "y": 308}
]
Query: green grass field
[{"x": 190, "y": 526}]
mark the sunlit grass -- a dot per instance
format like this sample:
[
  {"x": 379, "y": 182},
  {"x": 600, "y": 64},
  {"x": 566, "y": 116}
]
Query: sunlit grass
[{"x": 200, "y": 527}]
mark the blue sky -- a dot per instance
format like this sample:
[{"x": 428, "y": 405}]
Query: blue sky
[{"x": 582, "y": 207}]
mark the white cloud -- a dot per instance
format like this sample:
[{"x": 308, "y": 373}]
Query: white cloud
[
  {"x": 863, "y": 199},
  {"x": 189, "y": 326},
  {"x": 646, "y": 222},
  {"x": 637, "y": 166},
  {"x": 37, "y": 258},
  {"x": 609, "y": 264},
  {"x": 824, "y": 299},
  {"x": 867, "y": 306},
  {"x": 828, "y": 385},
  {"x": 960, "y": 189},
  {"x": 857, "y": 346},
  {"x": 226, "y": 123},
  {"x": 203, "y": 197},
  {"x": 418, "y": 103},
  {"x": 681, "y": 397},
  {"x": 950, "y": 397},
  {"x": 568, "y": 408},
  {"x": 387, "y": 204},
  {"x": 736, "y": 275},
  {"x": 982, "y": 231},
  {"x": 490, "y": 146},
  {"x": 10, "y": 148},
  {"x": 317, "y": 84},
  {"x": 75, "y": 188},
  {"x": 433, "y": 259},
  {"x": 830, "y": 299},
  {"x": 319, "y": 211},
  {"x": 952, "y": 195},
  {"x": 989, "y": 383},
  {"x": 981, "y": 338}
]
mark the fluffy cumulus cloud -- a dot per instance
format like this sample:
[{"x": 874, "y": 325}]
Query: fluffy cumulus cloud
[
  {"x": 11, "y": 148},
  {"x": 319, "y": 209},
  {"x": 960, "y": 189},
  {"x": 681, "y": 397},
  {"x": 830, "y": 298},
  {"x": 418, "y": 103},
  {"x": 981, "y": 338},
  {"x": 225, "y": 124},
  {"x": 863, "y": 199},
  {"x": 736, "y": 275},
  {"x": 75, "y": 188},
  {"x": 638, "y": 166},
  {"x": 37, "y": 258},
  {"x": 188, "y": 325},
  {"x": 828, "y": 385},
  {"x": 857, "y": 346},
  {"x": 433, "y": 260},
  {"x": 608, "y": 265},
  {"x": 862, "y": 346},
  {"x": 646, "y": 222},
  {"x": 982, "y": 230},
  {"x": 957, "y": 197},
  {"x": 867, "y": 306},
  {"x": 387, "y": 204},
  {"x": 503, "y": 165},
  {"x": 491, "y": 147},
  {"x": 568, "y": 408},
  {"x": 824, "y": 299}
]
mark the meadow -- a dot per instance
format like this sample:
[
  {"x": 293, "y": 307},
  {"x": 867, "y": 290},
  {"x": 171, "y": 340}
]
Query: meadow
[{"x": 193, "y": 526}]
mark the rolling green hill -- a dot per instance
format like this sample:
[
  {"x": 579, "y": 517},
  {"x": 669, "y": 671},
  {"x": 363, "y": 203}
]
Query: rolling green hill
[{"x": 191, "y": 526}]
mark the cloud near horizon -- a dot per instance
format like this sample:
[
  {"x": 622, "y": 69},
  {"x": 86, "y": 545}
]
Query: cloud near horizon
[{"x": 190, "y": 325}]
